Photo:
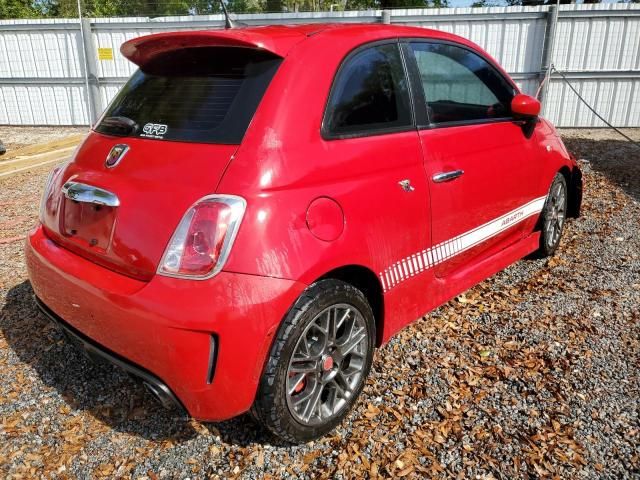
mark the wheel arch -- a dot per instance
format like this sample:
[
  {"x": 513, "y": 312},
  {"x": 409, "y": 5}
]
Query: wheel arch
[
  {"x": 573, "y": 177},
  {"x": 365, "y": 280}
]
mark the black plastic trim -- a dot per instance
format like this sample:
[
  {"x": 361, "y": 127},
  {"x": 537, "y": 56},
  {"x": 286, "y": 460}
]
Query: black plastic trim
[
  {"x": 213, "y": 358},
  {"x": 575, "y": 193},
  {"x": 480, "y": 121},
  {"x": 417, "y": 99},
  {"x": 160, "y": 390}
]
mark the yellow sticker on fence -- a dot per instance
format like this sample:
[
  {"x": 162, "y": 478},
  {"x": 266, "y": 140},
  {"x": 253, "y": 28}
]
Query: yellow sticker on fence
[{"x": 105, "y": 53}]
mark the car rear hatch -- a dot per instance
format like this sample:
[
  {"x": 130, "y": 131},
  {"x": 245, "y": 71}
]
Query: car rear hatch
[{"x": 162, "y": 144}]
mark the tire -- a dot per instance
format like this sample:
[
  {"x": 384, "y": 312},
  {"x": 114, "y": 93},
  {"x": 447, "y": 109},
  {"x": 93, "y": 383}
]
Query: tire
[
  {"x": 312, "y": 378},
  {"x": 553, "y": 217}
]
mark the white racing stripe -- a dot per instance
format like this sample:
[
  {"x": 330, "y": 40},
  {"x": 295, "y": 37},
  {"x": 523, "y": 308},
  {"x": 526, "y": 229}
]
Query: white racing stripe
[{"x": 419, "y": 262}]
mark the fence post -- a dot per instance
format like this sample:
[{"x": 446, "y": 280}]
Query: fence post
[
  {"x": 547, "y": 49},
  {"x": 91, "y": 71},
  {"x": 386, "y": 16}
]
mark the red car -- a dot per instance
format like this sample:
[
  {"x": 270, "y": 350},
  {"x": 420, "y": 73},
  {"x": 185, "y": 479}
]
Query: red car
[{"x": 259, "y": 208}]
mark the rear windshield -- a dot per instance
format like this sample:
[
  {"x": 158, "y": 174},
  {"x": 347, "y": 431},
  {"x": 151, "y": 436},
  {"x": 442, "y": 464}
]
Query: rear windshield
[{"x": 206, "y": 95}]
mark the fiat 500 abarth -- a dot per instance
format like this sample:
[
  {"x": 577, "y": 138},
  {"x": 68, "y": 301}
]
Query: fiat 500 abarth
[{"x": 259, "y": 208}]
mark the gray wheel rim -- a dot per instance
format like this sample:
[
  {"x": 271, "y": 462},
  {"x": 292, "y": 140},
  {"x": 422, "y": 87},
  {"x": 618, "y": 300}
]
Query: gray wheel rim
[
  {"x": 554, "y": 221},
  {"x": 327, "y": 364}
]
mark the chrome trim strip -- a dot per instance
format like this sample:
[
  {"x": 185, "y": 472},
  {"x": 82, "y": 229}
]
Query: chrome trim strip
[{"x": 81, "y": 192}]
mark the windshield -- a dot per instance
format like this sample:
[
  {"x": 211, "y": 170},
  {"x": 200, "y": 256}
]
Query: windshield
[{"x": 206, "y": 95}]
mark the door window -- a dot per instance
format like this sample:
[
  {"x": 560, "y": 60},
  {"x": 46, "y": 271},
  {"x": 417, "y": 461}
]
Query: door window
[
  {"x": 459, "y": 85},
  {"x": 370, "y": 94}
]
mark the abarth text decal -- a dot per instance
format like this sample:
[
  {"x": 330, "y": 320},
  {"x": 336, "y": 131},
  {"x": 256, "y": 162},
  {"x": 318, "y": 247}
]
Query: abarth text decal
[{"x": 421, "y": 261}]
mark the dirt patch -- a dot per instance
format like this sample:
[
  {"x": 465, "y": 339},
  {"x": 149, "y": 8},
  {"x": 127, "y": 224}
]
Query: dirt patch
[
  {"x": 610, "y": 154},
  {"x": 15, "y": 138}
]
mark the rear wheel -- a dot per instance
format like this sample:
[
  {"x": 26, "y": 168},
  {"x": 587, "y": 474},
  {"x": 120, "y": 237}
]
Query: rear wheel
[
  {"x": 553, "y": 216},
  {"x": 318, "y": 363}
]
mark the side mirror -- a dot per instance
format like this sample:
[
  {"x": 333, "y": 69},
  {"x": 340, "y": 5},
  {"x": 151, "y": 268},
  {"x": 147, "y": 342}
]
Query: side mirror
[{"x": 525, "y": 107}]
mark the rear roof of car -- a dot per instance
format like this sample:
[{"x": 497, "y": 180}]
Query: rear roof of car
[{"x": 277, "y": 39}]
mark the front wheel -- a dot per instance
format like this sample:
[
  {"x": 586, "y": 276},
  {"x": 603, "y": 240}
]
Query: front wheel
[
  {"x": 318, "y": 363},
  {"x": 554, "y": 214}
]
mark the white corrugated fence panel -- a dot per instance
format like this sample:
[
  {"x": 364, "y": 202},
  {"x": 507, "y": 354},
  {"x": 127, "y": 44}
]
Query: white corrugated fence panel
[
  {"x": 108, "y": 92},
  {"x": 617, "y": 100},
  {"x": 119, "y": 66},
  {"x": 598, "y": 45},
  {"x": 39, "y": 53},
  {"x": 43, "y": 105}
]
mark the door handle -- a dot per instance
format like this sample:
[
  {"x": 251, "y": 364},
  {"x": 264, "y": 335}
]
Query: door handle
[
  {"x": 447, "y": 176},
  {"x": 81, "y": 192}
]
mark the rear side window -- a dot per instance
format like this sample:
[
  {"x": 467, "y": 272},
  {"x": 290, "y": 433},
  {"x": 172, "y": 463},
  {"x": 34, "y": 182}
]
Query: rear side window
[
  {"x": 459, "y": 85},
  {"x": 205, "y": 95},
  {"x": 370, "y": 94}
]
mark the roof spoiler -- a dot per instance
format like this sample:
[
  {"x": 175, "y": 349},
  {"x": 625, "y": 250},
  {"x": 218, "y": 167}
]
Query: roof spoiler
[{"x": 143, "y": 49}]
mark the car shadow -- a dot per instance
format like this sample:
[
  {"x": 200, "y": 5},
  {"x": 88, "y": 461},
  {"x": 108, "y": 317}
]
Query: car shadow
[
  {"x": 101, "y": 389},
  {"x": 618, "y": 160}
]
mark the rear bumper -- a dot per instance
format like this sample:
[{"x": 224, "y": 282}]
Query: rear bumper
[
  {"x": 161, "y": 391},
  {"x": 200, "y": 344}
]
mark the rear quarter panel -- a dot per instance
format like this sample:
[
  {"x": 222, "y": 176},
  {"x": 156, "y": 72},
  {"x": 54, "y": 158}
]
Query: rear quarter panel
[{"x": 283, "y": 164}]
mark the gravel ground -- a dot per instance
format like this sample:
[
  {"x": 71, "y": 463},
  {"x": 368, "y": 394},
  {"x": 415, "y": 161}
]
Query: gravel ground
[
  {"x": 533, "y": 373},
  {"x": 18, "y": 137}
]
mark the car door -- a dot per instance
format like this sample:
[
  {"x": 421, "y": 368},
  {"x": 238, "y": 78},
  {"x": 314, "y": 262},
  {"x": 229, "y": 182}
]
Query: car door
[
  {"x": 479, "y": 162},
  {"x": 369, "y": 127}
]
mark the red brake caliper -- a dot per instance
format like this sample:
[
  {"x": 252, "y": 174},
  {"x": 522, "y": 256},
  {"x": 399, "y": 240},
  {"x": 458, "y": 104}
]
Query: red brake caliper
[{"x": 301, "y": 384}]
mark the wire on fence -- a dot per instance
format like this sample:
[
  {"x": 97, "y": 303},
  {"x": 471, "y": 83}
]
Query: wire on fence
[{"x": 554, "y": 69}]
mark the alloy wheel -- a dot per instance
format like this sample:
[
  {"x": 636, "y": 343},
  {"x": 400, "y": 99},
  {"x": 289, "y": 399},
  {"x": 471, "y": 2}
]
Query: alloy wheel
[
  {"x": 327, "y": 364},
  {"x": 556, "y": 214}
]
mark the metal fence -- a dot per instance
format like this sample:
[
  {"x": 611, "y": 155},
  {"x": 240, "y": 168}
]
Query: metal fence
[{"x": 65, "y": 72}]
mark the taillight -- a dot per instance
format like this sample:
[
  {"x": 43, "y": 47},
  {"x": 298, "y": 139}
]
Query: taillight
[
  {"x": 47, "y": 194},
  {"x": 202, "y": 242}
]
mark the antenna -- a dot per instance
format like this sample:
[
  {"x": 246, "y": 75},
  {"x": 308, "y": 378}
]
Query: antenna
[{"x": 228, "y": 23}]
